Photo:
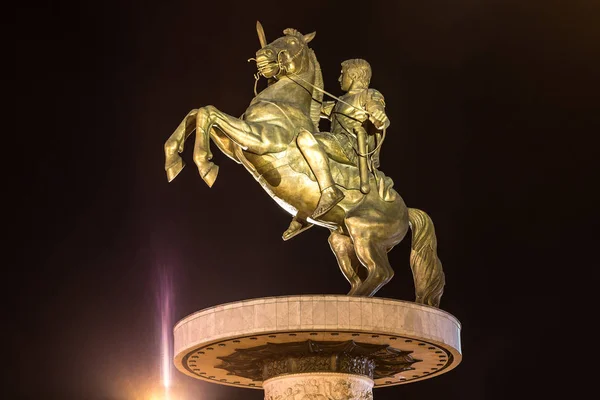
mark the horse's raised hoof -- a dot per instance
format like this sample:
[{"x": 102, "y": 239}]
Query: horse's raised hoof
[
  {"x": 175, "y": 168},
  {"x": 210, "y": 174}
]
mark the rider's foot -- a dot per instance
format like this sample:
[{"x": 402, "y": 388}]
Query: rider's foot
[
  {"x": 292, "y": 229},
  {"x": 329, "y": 198},
  {"x": 295, "y": 228}
]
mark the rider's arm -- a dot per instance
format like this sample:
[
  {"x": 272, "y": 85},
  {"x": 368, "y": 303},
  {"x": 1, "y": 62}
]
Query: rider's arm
[{"x": 376, "y": 107}]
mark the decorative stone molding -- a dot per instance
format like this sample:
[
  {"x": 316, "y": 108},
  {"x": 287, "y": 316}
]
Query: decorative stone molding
[
  {"x": 319, "y": 386},
  {"x": 273, "y": 359},
  {"x": 206, "y": 342}
]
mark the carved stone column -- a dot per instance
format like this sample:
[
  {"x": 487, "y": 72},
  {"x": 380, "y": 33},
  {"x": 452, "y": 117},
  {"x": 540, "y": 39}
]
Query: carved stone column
[{"x": 319, "y": 386}]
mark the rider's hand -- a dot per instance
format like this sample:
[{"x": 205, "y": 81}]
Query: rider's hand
[{"x": 379, "y": 119}]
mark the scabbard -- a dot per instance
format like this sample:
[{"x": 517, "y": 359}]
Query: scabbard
[{"x": 363, "y": 165}]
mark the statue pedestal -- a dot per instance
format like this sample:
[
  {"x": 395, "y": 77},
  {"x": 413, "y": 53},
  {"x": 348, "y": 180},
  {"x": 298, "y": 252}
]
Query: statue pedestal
[{"x": 331, "y": 347}]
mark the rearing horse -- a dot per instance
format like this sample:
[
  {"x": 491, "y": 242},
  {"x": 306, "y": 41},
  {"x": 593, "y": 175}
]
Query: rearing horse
[{"x": 364, "y": 227}]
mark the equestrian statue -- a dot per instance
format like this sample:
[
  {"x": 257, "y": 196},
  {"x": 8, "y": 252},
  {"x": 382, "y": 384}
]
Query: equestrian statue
[{"x": 328, "y": 179}]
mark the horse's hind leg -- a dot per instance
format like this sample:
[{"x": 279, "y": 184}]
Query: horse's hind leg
[
  {"x": 343, "y": 248},
  {"x": 374, "y": 257}
]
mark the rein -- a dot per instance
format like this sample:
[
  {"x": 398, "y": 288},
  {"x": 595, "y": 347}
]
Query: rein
[
  {"x": 283, "y": 68},
  {"x": 289, "y": 75}
]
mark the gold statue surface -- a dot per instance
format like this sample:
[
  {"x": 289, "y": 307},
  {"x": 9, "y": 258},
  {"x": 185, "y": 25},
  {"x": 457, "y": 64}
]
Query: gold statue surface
[{"x": 329, "y": 179}]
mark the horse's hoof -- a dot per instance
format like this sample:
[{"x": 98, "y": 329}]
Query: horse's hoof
[
  {"x": 210, "y": 175},
  {"x": 175, "y": 168}
]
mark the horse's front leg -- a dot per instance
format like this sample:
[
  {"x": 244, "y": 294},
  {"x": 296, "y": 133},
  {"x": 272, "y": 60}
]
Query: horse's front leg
[
  {"x": 174, "y": 145},
  {"x": 253, "y": 137}
]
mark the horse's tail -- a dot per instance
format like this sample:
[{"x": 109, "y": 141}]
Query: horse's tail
[
  {"x": 174, "y": 145},
  {"x": 426, "y": 266}
]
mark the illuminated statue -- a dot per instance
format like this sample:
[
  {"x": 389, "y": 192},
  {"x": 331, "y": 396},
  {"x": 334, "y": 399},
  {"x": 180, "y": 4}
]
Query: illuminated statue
[{"x": 325, "y": 179}]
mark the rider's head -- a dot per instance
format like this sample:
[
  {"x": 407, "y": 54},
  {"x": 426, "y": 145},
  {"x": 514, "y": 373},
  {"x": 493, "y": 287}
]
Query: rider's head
[{"x": 356, "y": 74}]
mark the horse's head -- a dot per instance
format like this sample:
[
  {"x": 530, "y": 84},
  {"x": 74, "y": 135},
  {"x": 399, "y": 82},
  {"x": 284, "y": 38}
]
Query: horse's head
[{"x": 286, "y": 55}]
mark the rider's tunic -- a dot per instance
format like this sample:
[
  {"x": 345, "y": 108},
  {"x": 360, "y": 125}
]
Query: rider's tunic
[{"x": 344, "y": 119}]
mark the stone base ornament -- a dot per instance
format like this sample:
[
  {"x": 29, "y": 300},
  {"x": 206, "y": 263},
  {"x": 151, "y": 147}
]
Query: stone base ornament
[
  {"x": 321, "y": 347},
  {"x": 319, "y": 385}
]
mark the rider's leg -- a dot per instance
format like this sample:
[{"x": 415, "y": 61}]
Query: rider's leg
[
  {"x": 332, "y": 146},
  {"x": 319, "y": 164},
  {"x": 316, "y": 158}
]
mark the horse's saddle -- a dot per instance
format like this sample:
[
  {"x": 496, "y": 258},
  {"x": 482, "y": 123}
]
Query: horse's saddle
[{"x": 344, "y": 175}]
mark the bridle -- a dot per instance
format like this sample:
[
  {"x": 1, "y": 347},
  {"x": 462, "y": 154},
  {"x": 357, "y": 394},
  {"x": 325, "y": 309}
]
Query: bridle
[{"x": 282, "y": 68}]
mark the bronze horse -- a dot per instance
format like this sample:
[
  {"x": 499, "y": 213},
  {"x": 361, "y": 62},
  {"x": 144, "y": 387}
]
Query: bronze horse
[{"x": 364, "y": 227}]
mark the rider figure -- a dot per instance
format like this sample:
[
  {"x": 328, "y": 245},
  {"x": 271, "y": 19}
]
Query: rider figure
[{"x": 347, "y": 118}]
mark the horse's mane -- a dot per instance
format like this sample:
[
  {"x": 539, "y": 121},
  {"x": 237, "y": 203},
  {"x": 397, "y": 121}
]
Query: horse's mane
[{"x": 317, "y": 96}]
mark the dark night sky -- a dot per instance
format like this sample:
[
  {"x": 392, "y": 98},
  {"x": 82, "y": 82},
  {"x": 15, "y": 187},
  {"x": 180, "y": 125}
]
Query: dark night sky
[{"x": 490, "y": 103}]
